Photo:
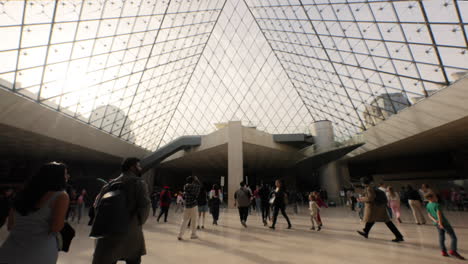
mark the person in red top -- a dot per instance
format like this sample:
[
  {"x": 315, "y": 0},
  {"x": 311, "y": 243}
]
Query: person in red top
[
  {"x": 321, "y": 204},
  {"x": 165, "y": 200}
]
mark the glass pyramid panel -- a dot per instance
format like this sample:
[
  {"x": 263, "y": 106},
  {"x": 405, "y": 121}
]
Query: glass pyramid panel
[{"x": 239, "y": 78}]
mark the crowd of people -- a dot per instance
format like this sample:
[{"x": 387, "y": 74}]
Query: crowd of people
[{"x": 38, "y": 213}]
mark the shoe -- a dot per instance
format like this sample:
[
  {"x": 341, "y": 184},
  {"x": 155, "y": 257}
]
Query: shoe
[
  {"x": 244, "y": 224},
  {"x": 363, "y": 234},
  {"x": 289, "y": 226},
  {"x": 444, "y": 253},
  {"x": 272, "y": 227},
  {"x": 455, "y": 254},
  {"x": 398, "y": 239},
  {"x": 399, "y": 220},
  {"x": 179, "y": 238},
  {"x": 265, "y": 223},
  {"x": 312, "y": 228},
  {"x": 198, "y": 227},
  {"x": 202, "y": 227},
  {"x": 319, "y": 228},
  {"x": 214, "y": 222},
  {"x": 418, "y": 224}
]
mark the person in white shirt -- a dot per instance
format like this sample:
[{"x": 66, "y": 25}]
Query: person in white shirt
[
  {"x": 394, "y": 202},
  {"x": 314, "y": 209}
]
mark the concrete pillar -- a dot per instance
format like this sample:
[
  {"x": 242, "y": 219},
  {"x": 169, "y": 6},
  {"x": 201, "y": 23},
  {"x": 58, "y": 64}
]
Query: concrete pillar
[
  {"x": 329, "y": 176},
  {"x": 235, "y": 160}
]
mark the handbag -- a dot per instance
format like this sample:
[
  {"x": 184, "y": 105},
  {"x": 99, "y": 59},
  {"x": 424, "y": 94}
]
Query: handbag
[
  {"x": 65, "y": 237},
  {"x": 272, "y": 200}
]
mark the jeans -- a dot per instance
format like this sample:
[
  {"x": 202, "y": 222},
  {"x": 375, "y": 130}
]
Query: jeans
[
  {"x": 390, "y": 226},
  {"x": 165, "y": 211},
  {"x": 453, "y": 237},
  {"x": 265, "y": 211},
  {"x": 243, "y": 213},
  {"x": 283, "y": 212},
  {"x": 258, "y": 205}
]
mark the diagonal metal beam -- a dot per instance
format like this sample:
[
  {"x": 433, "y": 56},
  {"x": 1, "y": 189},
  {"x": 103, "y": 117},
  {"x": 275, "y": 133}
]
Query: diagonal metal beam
[
  {"x": 332, "y": 64},
  {"x": 431, "y": 34}
]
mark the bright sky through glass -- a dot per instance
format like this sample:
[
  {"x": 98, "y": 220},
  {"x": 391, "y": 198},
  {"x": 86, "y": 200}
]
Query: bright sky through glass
[{"x": 148, "y": 71}]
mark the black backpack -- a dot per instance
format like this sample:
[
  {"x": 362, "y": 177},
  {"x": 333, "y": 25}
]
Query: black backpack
[
  {"x": 112, "y": 216},
  {"x": 380, "y": 197}
]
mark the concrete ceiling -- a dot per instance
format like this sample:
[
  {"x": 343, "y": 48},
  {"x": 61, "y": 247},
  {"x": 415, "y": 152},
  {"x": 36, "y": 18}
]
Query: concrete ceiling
[
  {"x": 255, "y": 157},
  {"x": 20, "y": 144},
  {"x": 449, "y": 137}
]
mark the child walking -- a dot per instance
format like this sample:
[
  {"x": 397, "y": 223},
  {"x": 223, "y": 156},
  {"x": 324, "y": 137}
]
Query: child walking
[
  {"x": 314, "y": 211},
  {"x": 443, "y": 226}
]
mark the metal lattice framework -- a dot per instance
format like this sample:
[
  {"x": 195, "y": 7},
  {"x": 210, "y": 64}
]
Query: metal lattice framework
[{"x": 148, "y": 71}]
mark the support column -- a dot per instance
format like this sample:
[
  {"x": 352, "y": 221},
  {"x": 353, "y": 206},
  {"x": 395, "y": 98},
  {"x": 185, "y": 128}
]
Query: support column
[
  {"x": 235, "y": 160},
  {"x": 325, "y": 140}
]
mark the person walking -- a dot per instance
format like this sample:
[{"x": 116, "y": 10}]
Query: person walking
[
  {"x": 191, "y": 191},
  {"x": 130, "y": 245},
  {"x": 443, "y": 226},
  {"x": 258, "y": 201},
  {"x": 165, "y": 199},
  {"x": 81, "y": 204},
  {"x": 375, "y": 210},
  {"x": 394, "y": 202},
  {"x": 216, "y": 198},
  {"x": 314, "y": 209},
  {"x": 179, "y": 202},
  {"x": 279, "y": 203},
  {"x": 155, "y": 201},
  {"x": 414, "y": 201},
  {"x": 202, "y": 202},
  {"x": 264, "y": 194},
  {"x": 320, "y": 204},
  {"x": 37, "y": 215},
  {"x": 242, "y": 201}
]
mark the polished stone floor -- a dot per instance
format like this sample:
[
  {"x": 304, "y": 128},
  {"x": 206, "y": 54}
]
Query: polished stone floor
[{"x": 338, "y": 242}]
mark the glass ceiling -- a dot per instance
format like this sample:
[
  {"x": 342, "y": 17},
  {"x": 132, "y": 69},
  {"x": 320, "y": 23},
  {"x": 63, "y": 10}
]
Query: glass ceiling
[{"x": 148, "y": 71}]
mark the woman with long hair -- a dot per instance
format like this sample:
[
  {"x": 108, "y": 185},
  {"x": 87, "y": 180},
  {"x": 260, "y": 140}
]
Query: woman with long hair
[
  {"x": 216, "y": 198},
  {"x": 279, "y": 203},
  {"x": 38, "y": 214},
  {"x": 394, "y": 202}
]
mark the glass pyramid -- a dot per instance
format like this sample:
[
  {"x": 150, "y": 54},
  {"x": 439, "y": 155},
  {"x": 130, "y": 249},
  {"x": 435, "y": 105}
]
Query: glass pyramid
[{"x": 148, "y": 71}]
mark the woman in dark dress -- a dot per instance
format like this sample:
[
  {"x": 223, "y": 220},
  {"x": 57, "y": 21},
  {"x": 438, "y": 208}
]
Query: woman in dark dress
[
  {"x": 216, "y": 198},
  {"x": 279, "y": 203}
]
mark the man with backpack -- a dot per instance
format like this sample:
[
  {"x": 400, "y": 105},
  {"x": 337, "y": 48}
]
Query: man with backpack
[
  {"x": 242, "y": 201},
  {"x": 124, "y": 241},
  {"x": 375, "y": 210},
  {"x": 165, "y": 202}
]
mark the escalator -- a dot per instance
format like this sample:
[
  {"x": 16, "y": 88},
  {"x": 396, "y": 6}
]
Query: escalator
[{"x": 172, "y": 147}]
